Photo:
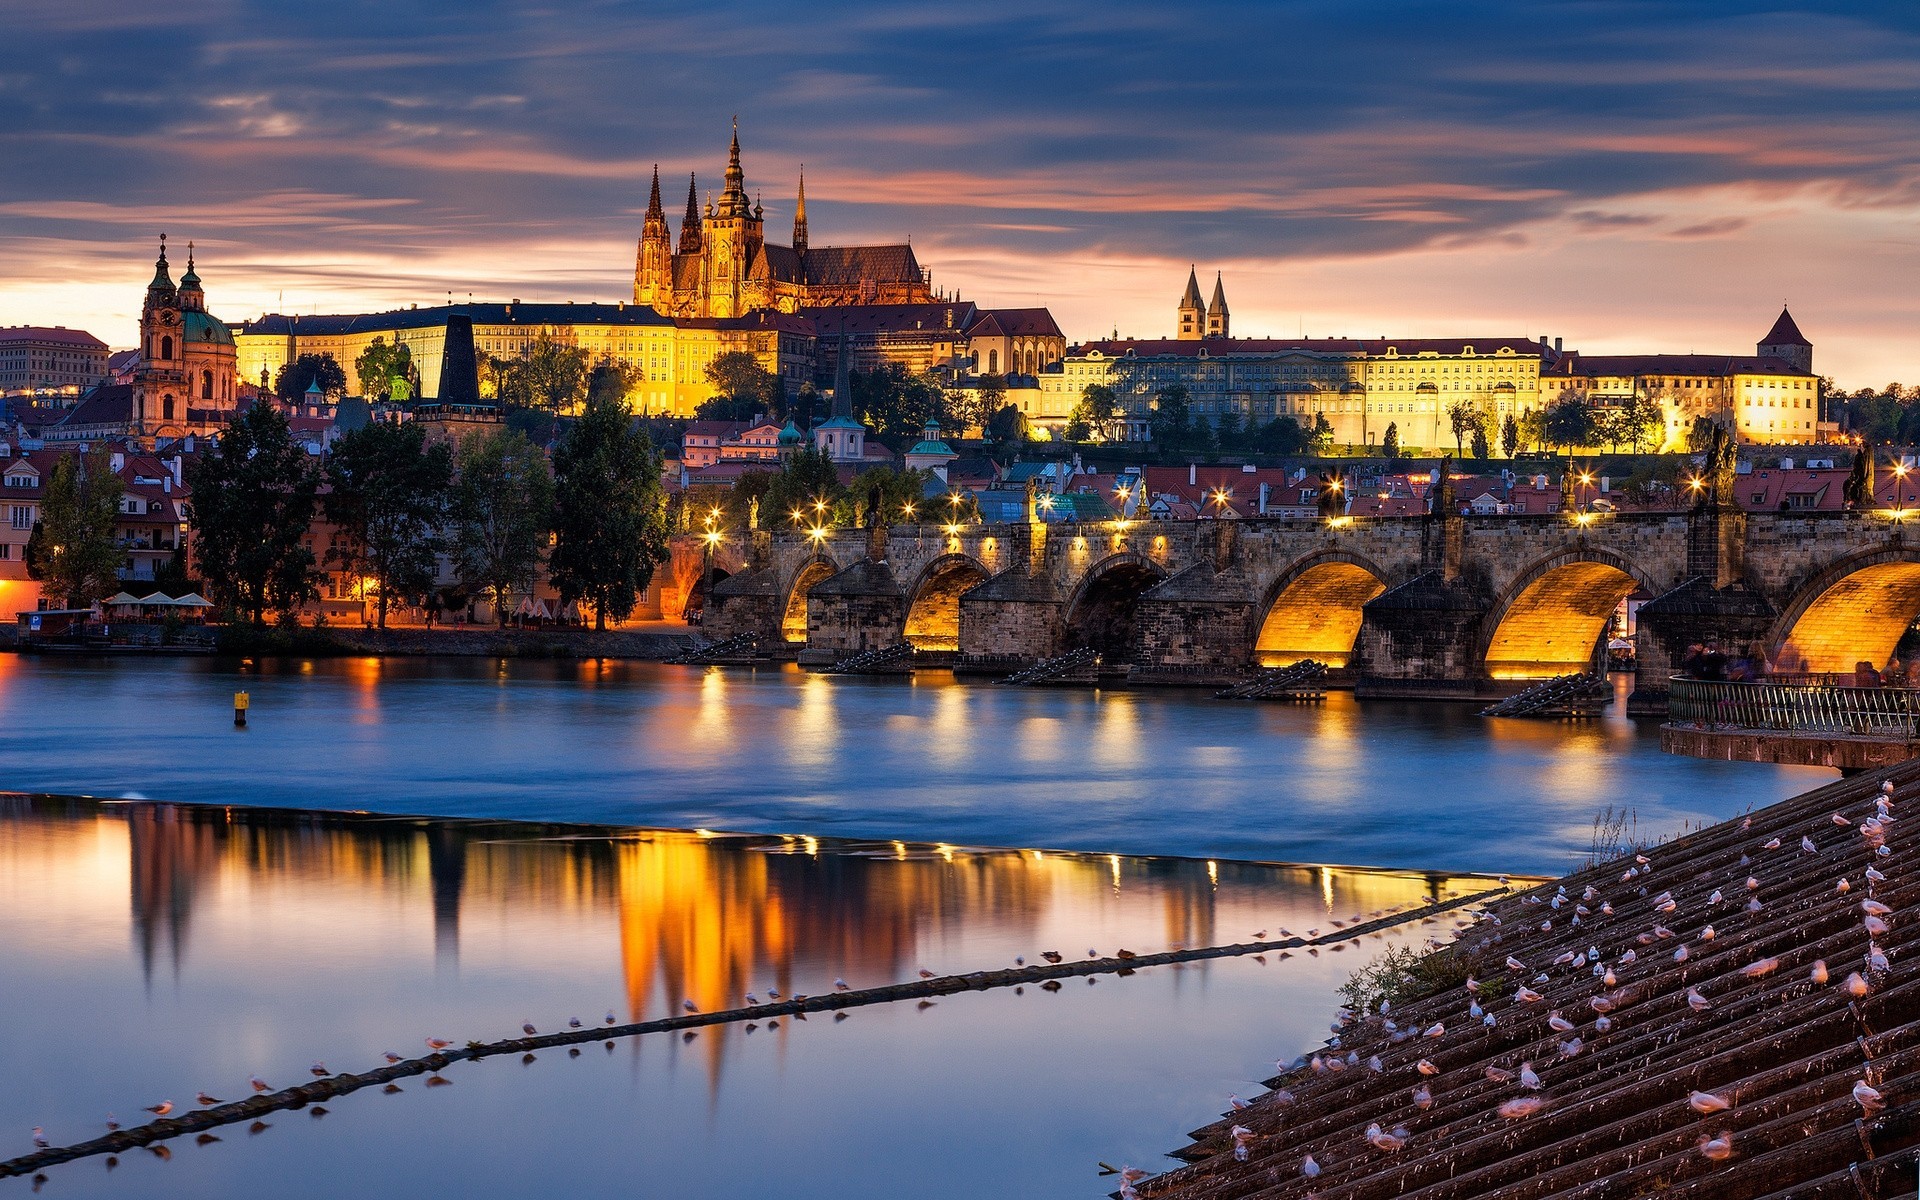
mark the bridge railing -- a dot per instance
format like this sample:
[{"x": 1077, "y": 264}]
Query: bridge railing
[{"x": 1810, "y": 709}]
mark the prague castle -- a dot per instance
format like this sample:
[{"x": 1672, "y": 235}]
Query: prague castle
[{"x": 723, "y": 265}]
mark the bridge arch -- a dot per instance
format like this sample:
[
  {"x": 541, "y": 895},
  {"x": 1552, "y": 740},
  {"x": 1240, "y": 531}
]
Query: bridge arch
[
  {"x": 1551, "y": 618},
  {"x": 793, "y": 616},
  {"x": 1850, "y": 611},
  {"x": 933, "y": 602},
  {"x": 1313, "y": 609},
  {"x": 1100, "y": 612}
]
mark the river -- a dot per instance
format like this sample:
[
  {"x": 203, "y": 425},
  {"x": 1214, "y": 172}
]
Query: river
[{"x": 156, "y": 949}]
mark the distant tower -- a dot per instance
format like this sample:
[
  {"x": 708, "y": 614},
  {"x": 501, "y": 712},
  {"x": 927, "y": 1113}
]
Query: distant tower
[
  {"x": 159, "y": 377},
  {"x": 1218, "y": 320},
  {"x": 690, "y": 224},
  {"x": 653, "y": 265},
  {"x": 731, "y": 239},
  {"x": 1192, "y": 316},
  {"x": 1786, "y": 343},
  {"x": 800, "y": 216}
]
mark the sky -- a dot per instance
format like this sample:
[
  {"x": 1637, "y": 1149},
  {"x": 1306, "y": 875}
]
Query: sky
[{"x": 1628, "y": 175}]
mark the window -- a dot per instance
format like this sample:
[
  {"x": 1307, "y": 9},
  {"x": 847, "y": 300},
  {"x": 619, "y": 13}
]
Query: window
[
  {"x": 6, "y": 551},
  {"x": 206, "y": 386},
  {"x": 23, "y": 516},
  {"x": 166, "y": 347}
]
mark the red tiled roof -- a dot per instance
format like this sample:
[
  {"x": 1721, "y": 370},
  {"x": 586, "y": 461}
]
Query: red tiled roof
[
  {"x": 1575, "y": 365},
  {"x": 1016, "y": 322},
  {"x": 1222, "y": 347},
  {"x": 43, "y": 333}
]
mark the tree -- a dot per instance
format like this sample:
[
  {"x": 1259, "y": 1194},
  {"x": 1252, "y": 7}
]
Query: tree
[
  {"x": 253, "y": 496},
  {"x": 1464, "y": 419},
  {"x": 72, "y": 549},
  {"x": 1282, "y": 435},
  {"x": 806, "y": 480},
  {"x": 302, "y": 373},
  {"x": 502, "y": 510},
  {"x": 610, "y": 512},
  {"x": 1390, "y": 444},
  {"x": 1509, "y": 436},
  {"x": 1170, "y": 417},
  {"x": 898, "y": 490},
  {"x": 384, "y": 369},
  {"x": 896, "y": 404},
  {"x": 1099, "y": 411},
  {"x": 387, "y": 497},
  {"x": 1700, "y": 434},
  {"x": 970, "y": 407},
  {"x": 1321, "y": 436},
  {"x": 1480, "y": 448},
  {"x": 1569, "y": 422},
  {"x": 549, "y": 373},
  {"x": 1533, "y": 428},
  {"x": 1007, "y": 430},
  {"x": 738, "y": 375}
]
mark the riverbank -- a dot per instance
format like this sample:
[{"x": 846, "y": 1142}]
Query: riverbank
[{"x": 345, "y": 641}]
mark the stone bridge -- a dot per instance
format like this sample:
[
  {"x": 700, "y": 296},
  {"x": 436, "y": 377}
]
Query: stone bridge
[{"x": 1449, "y": 607}]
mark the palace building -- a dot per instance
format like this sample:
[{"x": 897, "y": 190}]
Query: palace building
[{"x": 723, "y": 266}]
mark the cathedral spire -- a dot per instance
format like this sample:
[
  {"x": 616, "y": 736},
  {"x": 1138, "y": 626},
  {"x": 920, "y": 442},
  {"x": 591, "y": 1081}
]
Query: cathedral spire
[
  {"x": 690, "y": 224},
  {"x": 800, "y": 215},
  {"x": 733, "y": 196},
  {"x": 162, "y": 280},
  {"x": 654, "y": 210}
]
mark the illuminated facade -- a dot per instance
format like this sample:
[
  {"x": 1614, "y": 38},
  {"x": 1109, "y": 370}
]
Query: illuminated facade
[
  {"x": 184, "y": 380},
  {"x": 723, "y": 265}
]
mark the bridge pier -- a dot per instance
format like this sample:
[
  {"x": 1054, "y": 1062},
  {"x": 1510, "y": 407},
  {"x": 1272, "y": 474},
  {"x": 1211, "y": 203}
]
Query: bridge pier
[
  {"x": 1420, "y": 640},
  {"x": 861, "y": 608},
  {"x": 1690, "y": 613}
]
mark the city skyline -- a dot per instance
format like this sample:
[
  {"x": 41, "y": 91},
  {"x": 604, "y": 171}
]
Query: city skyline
[{"x": 1661, "y": 184}]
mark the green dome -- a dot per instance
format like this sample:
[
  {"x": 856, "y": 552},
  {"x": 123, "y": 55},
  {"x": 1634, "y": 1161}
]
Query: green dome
[
  {"x": 933, "y": 446},
  {"x": 204, "y": 328},
  {"x": 790, "y": 434}
]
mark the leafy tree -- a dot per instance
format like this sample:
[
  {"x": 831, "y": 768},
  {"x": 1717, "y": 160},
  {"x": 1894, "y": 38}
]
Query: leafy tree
[
  {"x": 1480, "y": 447},
  {"x": 1170, "y": 417},
  {"x": 72, "y": 549},
  {"x": 805, "y": 479},
  {"x": 297, "y": 376},
  {"x": 502, "y": 510},
  {"x": 1099, "y": 410},
  {"x": 738, "y": 375},
  {"x": 726, "y": 408},
  {"x": 896, "y": 404},
  {"x": 1321, "y": 437},
  {"x": 1007, "y": 431},
  {"x": 1464, "y": 419},
  {"x": 1509, "y": 436},
  {"x": 898, "y": 490},
  {"x": 1282, "y": 435},
  {"x": 1390, "y": 444},
  {"x": 388, "y": 496},
  {"x": 610, "y": 513},
  {"x": 382, "y": 368},
  {"x": 549, "y": 373},
  {"x": 1532, "y": 428},
  {"x": 1700, "y": 434},
  {"x": 1569, "y": 422},
  {"x": 253, "y": 496},
  {"x": 615, "y": 380}
]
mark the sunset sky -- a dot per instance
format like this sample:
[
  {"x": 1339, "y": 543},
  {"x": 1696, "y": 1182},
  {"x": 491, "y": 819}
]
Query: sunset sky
[{"x": 1628, "y": 176}]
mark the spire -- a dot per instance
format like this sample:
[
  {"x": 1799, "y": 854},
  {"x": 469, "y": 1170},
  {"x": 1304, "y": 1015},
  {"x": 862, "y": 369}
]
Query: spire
[
  {"x": 800, "y": 215},
  {"x": 1191, "y": 299},
  {"x": 733, "y": 196},
  {"x": 1219, "y": 302},
  {"x": 654, "y": 210},
  {"x": 1785, "y": 332},
  {"x": 690, "y": 224}
]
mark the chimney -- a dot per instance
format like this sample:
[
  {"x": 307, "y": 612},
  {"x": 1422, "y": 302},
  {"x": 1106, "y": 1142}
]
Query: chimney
[
  {"x": 118, "y": 460},
  {"x": 1265, "y": 488},
  {"x": 1556, "y": 345},
  {"x": 1193, "y": 474}
]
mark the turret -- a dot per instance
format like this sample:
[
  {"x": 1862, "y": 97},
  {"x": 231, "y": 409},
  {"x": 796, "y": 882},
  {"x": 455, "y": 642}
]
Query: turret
[
  {"x": 1218, "y": 319},
  {"x": 1785, "y": 342},
  {"x": 653, "y": 264},
  {"x": 1193, "y": 317},
  {"x": 800, "y": 216},
  {"x": 690, "y": 224},
  {"x": 192, "y": 297}
]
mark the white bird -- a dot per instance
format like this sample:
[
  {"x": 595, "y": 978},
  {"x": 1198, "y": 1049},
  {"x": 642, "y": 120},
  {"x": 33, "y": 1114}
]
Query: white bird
[
  {"x": 1514, "y": 964},
  {"x": 1601, "y": 1004},
  {"x": 774, "y": 993},
  {"x": 1753, "y": 885},
  {"x": 752, "y": 999},
  {"x": 1887, "y": 787},
  {"x": 1715, "y": 897},
  {"x": 1719, "y": 1147},
  {"x": 319, "y": 1070},
  {"x": 1876, "y": 958},
  {"x": 573, "y": 1022},
  {"x": 1874, "y": 875},
  {"x": 1571, "y": 1047},
  {"x": 1765, "y": 966},
  {"x": 1422, "y": 1098},
  {"x": 258, "y": 1084},
  {"x": 1308, "y": 1167},
  {"x": 1806, "y": 844},
  {"x": 1856, "y": 985},
  {"x": 161, "y": 1109},
  {"x": 1521, "y": 1106},
  {"x": 1607, "y": 908},
  {"x": 839, "y": 985},
  {"x": 1610, "y": 978},
  {"x": 1603, "y": 1024},
  {"x": 206, "y": 1101},
  {"x": 1527, "y": 995},
  {"x": 1875, "y": 926},
  {"x": 1772, "y": 844},
  {"x": 1528, "y": 1079},
  {"x": 391, "y": 1057},
  {"x": 1696, "y": 1001},
  {"x": 1708, "y": 1102},
  {"x": 1819, "y": 972},
  {"x": 610, "y": 1017},
  {"x": 1487, "y": 1021},
  {"x": 1474, "y": 1010},
  {"x": 1375, "y": 1065},
  {"x": 1754, "y": 904},
  {"x": 1242, "y": 1139},
  {"x": 1558, "y": 1023},
  {"x": 1435, "y": 1030},
  {"x": 434, "y": 1043},
  {"x": 1843, "y": 887},
  {"x": 1473, "y": 985},
  {"x": 1384, "y": 1141},
  {"x": 690, "y": 1006},
  {"x": 1236, "y": 1103},
  {"x": 1868, "y": 1096},
  {"x": 1629, "y": 958},
  {"x": 1874, "y": 908},
  {"x": 1643, "y": 860},
  {"x": 1426, "y": 1067},
  {"x": 40, "y": 1138},
  {"x": 1707, "y": 934},
  {"x": 1680, "y": 955}
]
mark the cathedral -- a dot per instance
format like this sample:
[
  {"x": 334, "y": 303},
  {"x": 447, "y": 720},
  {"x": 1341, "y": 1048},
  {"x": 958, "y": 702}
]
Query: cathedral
[
  {"x": 184, "y": 379},
  {"x": 723, "y": 266}
]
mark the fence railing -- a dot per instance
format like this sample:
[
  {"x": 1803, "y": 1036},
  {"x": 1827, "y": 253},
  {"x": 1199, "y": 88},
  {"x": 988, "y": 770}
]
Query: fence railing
[{"x": 1791, "y": 707}]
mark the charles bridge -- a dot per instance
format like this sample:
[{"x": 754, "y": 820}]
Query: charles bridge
[{"x": 1446, "y": 606}]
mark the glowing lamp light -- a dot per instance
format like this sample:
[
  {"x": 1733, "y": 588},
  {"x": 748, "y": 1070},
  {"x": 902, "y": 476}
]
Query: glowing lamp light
[
  {"x": 1339, "y": 522},
  {"x": 817, "y": 533},
  {"x": 906, "y": 509},
  {"x": 713, "y": 537},
  {"x": 953, "y": 530}
]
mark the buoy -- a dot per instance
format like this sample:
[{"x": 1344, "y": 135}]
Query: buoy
[{"x": 240, "y": 702}]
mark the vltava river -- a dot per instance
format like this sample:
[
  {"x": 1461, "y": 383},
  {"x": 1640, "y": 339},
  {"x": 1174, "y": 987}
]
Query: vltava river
[{"x": 1155, "y": 772}]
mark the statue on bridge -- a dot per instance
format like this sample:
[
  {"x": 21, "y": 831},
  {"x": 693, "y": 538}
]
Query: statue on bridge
[
  {"x": 1440, "y": 498},
  {"x": 1332, "y": 498},
  {"x": 870, "y": 519},
  {"x": 1859, "y": 490},
  {"x": 753, "y": 513},
  {"x": 1719, "y": 470}
]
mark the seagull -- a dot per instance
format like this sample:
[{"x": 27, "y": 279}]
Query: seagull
[
  {"x": 1680, "y": 955},
  {"x": 1526, "y": 995},
  {"x": 1772, "y": 844},
  {"x": 319, "y": 1069},
  {"x": 1052, "y": 956},
  {"x": 112, "y": 1123},
  {"x": 527, "y": 1028},
  {"x": 206, "y": 1101},
  {"x": 1765, "y": 966},
  {"x": 258, "y": 1084},
  {"x": 1843, "y": 887},
  {"x": 434, "y": 1043},
  {"x": 1384, "y": 1141},
  {"x": 40, "y": 1141},
  {"x": 1308, "y": 1167},
  {"x": 1806, "y": 844},
  {"x": 1715, "y": 898},
  {"x": 610, "y": 1017},
  {"x": 1242, "y": 1139},
  {"x": 1696, "y": 1001},
  {"x": 1435, "y": 1030},
  {"x": 1841, "y": 821},
  {"x": 774, "y": 993},
  {"x": 1571, "y": 1047},
  {"x": 1426, "y": 1067},
  {"x": 1873, "y": 875},
  {"x": 1868, "y": 1096},
  {"x": 1528, "y": 1079},
  {"x": 1558, "y": 1023},
  {"x": 1819, "y": 972},
  {"x": 839, "y": 985},
  {"x": 690, "y": 1006},
  {"x": 1707, "y": 934},
  {"x": 1719, "y": 1147},
  {"x": 1522, "y": 1106},
  {"x": 1236, "y": 1103},
  {"x": 161, "y": 1109},
  {"x": 1422, "y": 1098},
  {"x": 1708, "y": 1102},
  {"x": 1514, "y": 964},
  {"x": 391, "y": 1057},
  {"x": 573, "y": 1022}
]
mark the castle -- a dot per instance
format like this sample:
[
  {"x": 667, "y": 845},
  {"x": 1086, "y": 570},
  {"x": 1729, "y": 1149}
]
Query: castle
[{"x": 723, "y": 266}]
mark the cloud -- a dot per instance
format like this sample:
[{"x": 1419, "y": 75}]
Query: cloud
[{"x": 1720, "y": 227}]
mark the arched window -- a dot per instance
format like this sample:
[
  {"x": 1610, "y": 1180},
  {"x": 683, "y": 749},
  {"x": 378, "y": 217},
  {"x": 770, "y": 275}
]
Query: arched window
[
  {"x": 206, "y": 385},
  {"x": 166, "y": 347},
  {"x": 166, "y": 408},
  {"x": 993, "y": 362}
]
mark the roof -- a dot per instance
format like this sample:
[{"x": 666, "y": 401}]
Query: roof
[
  {"x": 56, "y": 333},
  {"x": 932, "y": 446},
  {"x": 848, "y": 265},
  {"x": 1576, "y": 365},
  {"x": 1214, "y": 347},
  {"x": 483, "y": 314},
  {"x": 1191, "y": 297},
  {"x": 1785, "y": 332},
  {"x": 1630, "y": 1091},
  {"x": 108, "y": 404},
  {"x": 1016, "y": 322},
  {"x": 857, "y": 319}
]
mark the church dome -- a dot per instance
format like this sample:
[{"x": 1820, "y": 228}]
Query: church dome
[
  {"x": 204, "y": 328},
  {"x": 790, "y": 434}
]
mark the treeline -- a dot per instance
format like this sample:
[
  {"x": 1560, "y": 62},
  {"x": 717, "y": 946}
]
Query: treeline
[
  {"x": 594, "y": 519},
  {"x": 1886, "y": 416}
]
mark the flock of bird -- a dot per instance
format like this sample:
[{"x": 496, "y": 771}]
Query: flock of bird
[{"x": 1638, "y": 923}]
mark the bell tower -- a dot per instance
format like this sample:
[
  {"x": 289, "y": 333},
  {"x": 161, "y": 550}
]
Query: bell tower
[
  {"x": 159, "y": 378},
  {"x": 653, "y": 264},
  {"x": 1193, "y": 315}
]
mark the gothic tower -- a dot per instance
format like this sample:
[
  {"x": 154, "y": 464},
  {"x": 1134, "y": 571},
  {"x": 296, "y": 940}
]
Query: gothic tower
[
  {"x": 1192, "y": 316},
  {"x": 690, "y": 223},
  {"x": 653, "y": 264},
  {"x": 1218, "y": 320},
  {"x": 800, "y": 216},
  {"x": 1785, "y": 342},
  {"x": 732, "y": 238}
]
